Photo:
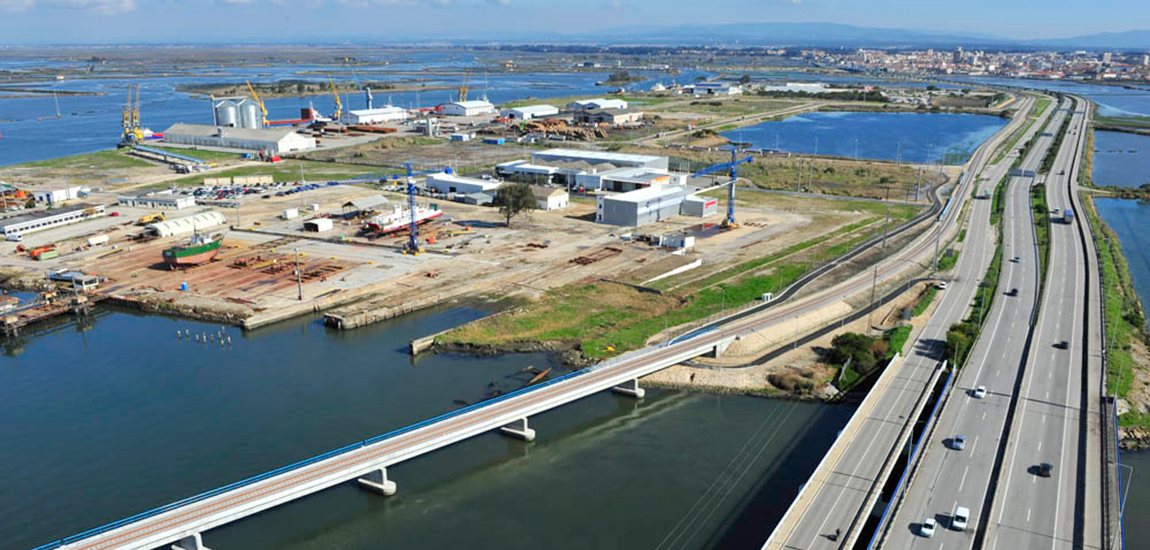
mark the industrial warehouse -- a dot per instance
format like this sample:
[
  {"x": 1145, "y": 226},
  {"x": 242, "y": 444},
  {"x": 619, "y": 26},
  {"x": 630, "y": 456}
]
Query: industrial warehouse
[
  {"x": 271, "y": 140},
  {"x": 15, "y": 227}
]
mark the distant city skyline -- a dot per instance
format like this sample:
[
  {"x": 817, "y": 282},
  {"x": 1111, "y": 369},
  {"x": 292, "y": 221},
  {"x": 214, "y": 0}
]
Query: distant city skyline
[{"x": 188, "y": 21}]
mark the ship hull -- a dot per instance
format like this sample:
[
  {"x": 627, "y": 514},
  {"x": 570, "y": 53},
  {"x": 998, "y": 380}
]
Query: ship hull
[
  {"x": 191, "y": 259},
  {"x": 401, "y": 225}
]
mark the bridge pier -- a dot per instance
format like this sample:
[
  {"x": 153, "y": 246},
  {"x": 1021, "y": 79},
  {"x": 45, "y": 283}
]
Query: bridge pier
[
  {"x": 193, "y": 542},
  {"x": 630, "y": 388},
  {"x": 376, "y": 480},
  {"x": 721, "y": 347},
  {"x": 519, "y": 430}
]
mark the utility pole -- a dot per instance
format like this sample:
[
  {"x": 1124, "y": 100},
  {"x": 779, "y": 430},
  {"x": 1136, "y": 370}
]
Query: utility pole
[
  {"x": 918, "y": 186},
  {"x": 298, "y": 276},
  {"x": 937, "y": 243},
  {"x": 873, "y": 287},
  {"x": 301, "y": 186},
  {"x": 887, "y": 223}
]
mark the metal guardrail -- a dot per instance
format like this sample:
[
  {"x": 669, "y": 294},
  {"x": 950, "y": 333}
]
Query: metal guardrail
[{"x": 161, "y": 152}]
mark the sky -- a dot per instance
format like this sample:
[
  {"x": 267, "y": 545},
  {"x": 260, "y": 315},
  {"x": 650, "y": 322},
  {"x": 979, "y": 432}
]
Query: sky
[{"x": 198, "y": 21}]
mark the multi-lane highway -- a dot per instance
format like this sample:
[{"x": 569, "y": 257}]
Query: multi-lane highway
[
  {"x": 947, "y": 477},
  {"x": 1063, "y": 510},
  {"x": 833, "y": 515}
]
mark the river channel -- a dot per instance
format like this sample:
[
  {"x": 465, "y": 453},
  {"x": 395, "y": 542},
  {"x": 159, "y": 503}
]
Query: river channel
[{"x": 119, "y": 416}]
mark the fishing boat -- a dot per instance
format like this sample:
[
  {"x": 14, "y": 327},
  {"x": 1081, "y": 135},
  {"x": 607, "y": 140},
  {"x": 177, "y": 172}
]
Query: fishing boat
[
  {"x": 198, "y": 250},
  {"x": 400, "y": 218}
]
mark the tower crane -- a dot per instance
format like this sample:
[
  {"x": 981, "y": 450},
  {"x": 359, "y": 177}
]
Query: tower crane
[
  {"x": 256, "y": 97},
  {"x": 366, "y": 91},
  {"x": 733, "y": 166},
  {"x": 338, "y": 104},
  {"x": 463, "y": 88},
  {"x": 130, "y": 118},
  {"x": 412, "y": 246}
]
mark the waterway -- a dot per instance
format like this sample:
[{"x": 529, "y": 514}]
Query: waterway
[
  {"x": 1121, "y": 159},
  {"x": 107, "y": 418},
  {"x": 910, "y": 137}
]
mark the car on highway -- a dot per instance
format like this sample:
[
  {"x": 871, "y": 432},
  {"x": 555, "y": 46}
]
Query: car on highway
[
  {"x": 1045, "y": 469},
  {"x": 980, "y": 392},
  {"x": 959, "y": 519},
  {"x": 958, "y": 443},
  {"x": 1062, "y": 344},
  {"x": 1016, "y": 259},
  {"x": 1012, "y": 292},
  {"x": 941, "y": 285},
  {"x": 927, "y": 529}
]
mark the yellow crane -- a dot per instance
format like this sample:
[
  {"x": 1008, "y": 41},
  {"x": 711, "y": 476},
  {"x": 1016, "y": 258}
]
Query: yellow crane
[
  {"x": 130, "y": 119},
  {"x": 463, "y": 88},
  {"x": 256, "y": 97},
  {"x": 338, "y": 104}
]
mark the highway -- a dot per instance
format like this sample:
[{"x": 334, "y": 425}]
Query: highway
[
  {"x": 190, "y": 517},
  {"x": 851, "y": 482},
  {"x": 1063, "y": 511},
  {"x": 947, "y": 478}
]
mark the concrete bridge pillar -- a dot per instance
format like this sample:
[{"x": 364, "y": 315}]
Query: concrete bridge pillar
[
  {"x": 631, "y": 388},
  {"x": 519, "y": 429},
  {"x": 376, "y": 480},
  {"x": 721, "y": 347},
  {"x": 193, "y": 542}
]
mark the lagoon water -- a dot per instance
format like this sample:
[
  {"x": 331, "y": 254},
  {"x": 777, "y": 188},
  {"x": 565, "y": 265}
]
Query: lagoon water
[
  {"x": 113, "y": 417},
  {"x": 1121, "y": 159},
  {"x": 910, "y": 137}
]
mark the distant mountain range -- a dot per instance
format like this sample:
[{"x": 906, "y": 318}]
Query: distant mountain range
[{"x": 849, "y": 36}]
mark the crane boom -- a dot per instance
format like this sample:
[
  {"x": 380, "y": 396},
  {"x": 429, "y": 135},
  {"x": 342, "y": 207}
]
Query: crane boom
[
  {"x": 366, "y": 91},
  {"x": 338, "y": 104},
  {"x": 260, "y": 102},
  {"x": 733, "y": 167}
]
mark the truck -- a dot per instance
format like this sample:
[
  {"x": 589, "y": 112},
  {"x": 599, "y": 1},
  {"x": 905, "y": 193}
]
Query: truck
[
  {"x": 1068, "y": 216},
  {"x": 151, "y": 218}
]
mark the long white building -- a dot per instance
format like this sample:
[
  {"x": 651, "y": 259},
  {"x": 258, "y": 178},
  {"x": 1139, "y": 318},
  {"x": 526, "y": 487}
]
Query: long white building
[
  {"x": 271, "y": 140},
  {"x": 375, "y": 116},
  {"x": 468, "y": 108}
]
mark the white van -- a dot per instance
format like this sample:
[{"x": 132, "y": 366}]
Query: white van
[
  {"x": 14, "y": 238},
  {"x": 961, "y": 516}
]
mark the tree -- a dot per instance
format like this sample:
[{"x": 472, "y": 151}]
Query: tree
[
  {"x": 514, "y": 199},
  {"x": 746, "y": 79}
]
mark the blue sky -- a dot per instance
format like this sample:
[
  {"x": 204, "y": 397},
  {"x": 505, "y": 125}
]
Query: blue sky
[{"x": 126, "y": 21}]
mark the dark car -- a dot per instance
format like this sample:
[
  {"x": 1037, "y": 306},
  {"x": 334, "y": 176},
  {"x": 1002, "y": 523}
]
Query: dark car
[
  {"x": 1045, "y": 469},
  {"x": 1062, "y": 344},
  {"x": 1012, "y": 292}
]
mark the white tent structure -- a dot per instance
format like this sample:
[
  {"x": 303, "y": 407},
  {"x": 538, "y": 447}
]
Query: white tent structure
[{"x": 185, "y": 226}]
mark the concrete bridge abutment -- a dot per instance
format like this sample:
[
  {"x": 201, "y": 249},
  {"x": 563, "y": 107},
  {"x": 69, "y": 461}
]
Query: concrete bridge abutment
[
  {"x": 630, "y": 388},
  {"x": 194, "y": 542},
  {"x": 519, "y": 429},
  {"x": 376, "y": 480}
]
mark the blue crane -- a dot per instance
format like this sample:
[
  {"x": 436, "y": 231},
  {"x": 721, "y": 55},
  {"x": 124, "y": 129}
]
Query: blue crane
[
  {"x": 413, "y": 241},
  {"x": 358, "y": 84},
  {"x": 733, "y": 166}
]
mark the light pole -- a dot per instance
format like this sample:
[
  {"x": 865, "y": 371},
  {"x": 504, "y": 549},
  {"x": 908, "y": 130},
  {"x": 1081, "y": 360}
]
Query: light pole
[{"x": 298, "y": 276}]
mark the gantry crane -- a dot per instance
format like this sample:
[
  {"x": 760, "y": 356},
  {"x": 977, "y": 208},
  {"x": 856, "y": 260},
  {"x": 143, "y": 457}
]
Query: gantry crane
[
  {"x": 338, "y": 104},
  {"x": 729, "y": 222},
  {"x": 366, "y": 91},
  {"x": 463, "y": 88},
  {"x": 130, "y": 119},
  {"x": 260, "y": 102}
]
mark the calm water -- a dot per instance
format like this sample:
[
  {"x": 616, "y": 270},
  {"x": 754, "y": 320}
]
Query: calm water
[
  {"x": 1121, "y": 159},
  {"x": 105, "y": 422},
  {"x": 911, "y": 137}
]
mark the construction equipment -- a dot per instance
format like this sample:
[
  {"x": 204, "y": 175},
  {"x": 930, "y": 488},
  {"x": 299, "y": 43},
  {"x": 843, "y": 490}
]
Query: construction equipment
[
  {"x": 366, "y": 91},
  {"x": 729, "y": 222},
  {"x": 130, "y": 119},
  {"x": 150, "y": 218},
  {"x": 338, "y": 104},
  {"x": 463, "y": 88},
  {"x": 256, "y": 97},
  {"x": 412, "y": 246}
]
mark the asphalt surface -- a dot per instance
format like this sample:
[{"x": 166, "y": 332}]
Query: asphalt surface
[
  {"x": 948, "y": 478},
  {"x": 1062, "y": 511},
  {"x": 839, "y": 500}
]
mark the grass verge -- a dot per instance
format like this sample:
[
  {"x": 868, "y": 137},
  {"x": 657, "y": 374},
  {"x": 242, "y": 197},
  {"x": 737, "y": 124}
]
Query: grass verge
[
  {"x": 924, "y": 301},
  {"x": 1041, "y": 230}
]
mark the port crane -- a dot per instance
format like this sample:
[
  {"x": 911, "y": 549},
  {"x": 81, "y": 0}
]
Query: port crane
[
  {"x": 130, "y": 119},
  {"x": 412, "y": 246},
  {"x": 256, "y": 97},
  {"x": 264, "y": 111},
  {"x": 463, "y": 88},
  {"x": 733, "y": 167},
  {"x": 366, "y": 91},
  {"x": 338, "y": 104}
]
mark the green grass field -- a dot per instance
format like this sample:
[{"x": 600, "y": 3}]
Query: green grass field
[{"x": 114, "y": 159}]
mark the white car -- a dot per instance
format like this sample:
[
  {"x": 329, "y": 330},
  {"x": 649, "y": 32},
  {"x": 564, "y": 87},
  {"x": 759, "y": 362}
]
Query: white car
[
  {"x": 927, "y": 529},
  {"x": 958, "y": 443},
  {"x": 980, "y": 392},
  {"x": 941, "y": 285},
  {"x": 959, "y": 519}
]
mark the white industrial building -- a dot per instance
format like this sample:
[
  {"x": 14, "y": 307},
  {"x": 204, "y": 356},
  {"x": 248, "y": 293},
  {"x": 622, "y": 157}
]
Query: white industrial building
[
  {"x": 597, "y": 103},
  {"x": 628, "y": 179},
  {"x": 642, "y": 206},
  {"x": 579, "y": 167},
  {"x": 389, "y": 113},
  {"x": 187, "y": 225},
  {"x": 805, "y": 87},
  {"x": 318, "y": 225},
  {"x": 16, "y": 226},
  {"x": 271, "y": 140},
  {"x": 529, "y": 112},
  {"x": 164, "y": 200},
  {"x": 56, "y": 195},
  {"x": 468, "y": 108},
  {"x": 450, "y": 183},
  {"x": 550, "y": 198}
]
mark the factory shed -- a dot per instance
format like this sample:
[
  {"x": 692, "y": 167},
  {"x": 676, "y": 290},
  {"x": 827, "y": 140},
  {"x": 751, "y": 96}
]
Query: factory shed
[
  {"x": 700, "y": 206},
  {"x": 159, "y": 201},
  {"x": 375, "y": 116},
  {"x": 614, "y": 117},
  {"x": 56, "y": 195},
  {"x": 318, "y": 225},
  {"x": 597, "y": 103},
  {"x": 187, "y": 225},
  {"x": 467, "y": 108},
  {"x": 39, "y": 221},
  {"x": 642, "y": 206},
  {"x": 550, "y": 198},
  {"x": 271, "y": 140},
  {"x": 531, "y": 111},
  {"x": 449, "y": 183},
  {"x": 363, "y": 205},
  {"x": 476, "y": 199},
  {"x": 596, "y": 158}
]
